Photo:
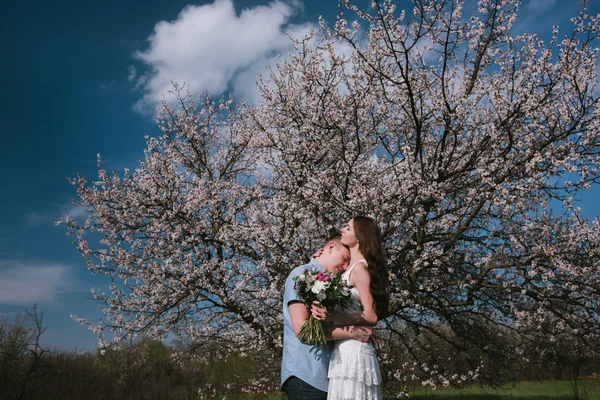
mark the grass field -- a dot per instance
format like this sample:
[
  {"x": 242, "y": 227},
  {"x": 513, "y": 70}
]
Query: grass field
[
  {"x": 548, "y": 390},
  {"x": 556, "y": 390}
]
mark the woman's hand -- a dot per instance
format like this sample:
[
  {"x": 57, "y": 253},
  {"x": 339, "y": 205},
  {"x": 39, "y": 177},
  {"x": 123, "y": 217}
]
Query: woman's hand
[
  {"x": 317, "y": 253},
  {"x": 362, "y": 333},
  {"x": 319, "y": 311}
]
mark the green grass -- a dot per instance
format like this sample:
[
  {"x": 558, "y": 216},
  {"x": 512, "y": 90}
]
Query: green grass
[{"x": 548, "y": 390}]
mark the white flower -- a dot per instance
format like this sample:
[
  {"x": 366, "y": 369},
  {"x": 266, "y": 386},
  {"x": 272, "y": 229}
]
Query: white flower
[{"x": 318, "y": 287}]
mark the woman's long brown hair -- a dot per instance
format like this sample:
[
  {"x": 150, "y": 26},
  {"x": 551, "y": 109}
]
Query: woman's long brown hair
[{"x": 369, "y": 243}]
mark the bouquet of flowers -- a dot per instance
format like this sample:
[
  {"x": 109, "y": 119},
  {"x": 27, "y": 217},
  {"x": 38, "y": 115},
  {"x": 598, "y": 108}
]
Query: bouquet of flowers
[{"x": 329, "y": 290}]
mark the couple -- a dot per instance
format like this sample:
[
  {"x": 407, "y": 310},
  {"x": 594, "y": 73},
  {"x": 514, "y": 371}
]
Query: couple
[{"x": 346, "y": 369}]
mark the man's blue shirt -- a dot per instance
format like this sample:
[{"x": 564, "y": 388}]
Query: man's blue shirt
[{"x": 307, "y": 362}]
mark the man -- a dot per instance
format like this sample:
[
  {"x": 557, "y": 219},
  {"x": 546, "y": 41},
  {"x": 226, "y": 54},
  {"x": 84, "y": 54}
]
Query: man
[{"x": 304, "y": 367}]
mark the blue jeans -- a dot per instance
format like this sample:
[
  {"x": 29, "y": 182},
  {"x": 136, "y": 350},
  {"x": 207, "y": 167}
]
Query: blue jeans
[{"x": 297, "y": 389}]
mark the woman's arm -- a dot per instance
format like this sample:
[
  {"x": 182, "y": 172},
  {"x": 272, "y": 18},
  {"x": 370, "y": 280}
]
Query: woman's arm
[
  {"x": 361, "y": 281},
  {"x": 338, "y": 332},
  {"x": 299, "y": 315}
]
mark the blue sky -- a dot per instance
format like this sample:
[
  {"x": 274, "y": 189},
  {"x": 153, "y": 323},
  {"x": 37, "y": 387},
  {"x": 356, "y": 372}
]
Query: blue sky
[{"x": 78, "y": 82}]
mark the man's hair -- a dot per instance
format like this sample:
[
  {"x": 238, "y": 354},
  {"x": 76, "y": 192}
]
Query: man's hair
[{"x": 337, "y": 239}]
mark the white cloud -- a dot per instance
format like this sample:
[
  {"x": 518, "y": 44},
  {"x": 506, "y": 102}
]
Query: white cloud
[
  {"x": 244, "y": 84},
  {"x": 540, "y": 6},
  {"x": 78, "y": 212},
  {"x": 107, "y": 85},
  {"x": 34, "y": 219},
  {"x": 132, "y": 73},
  {"x": 211, "y": 48},
  {"x": 538, "y": 16},
  {"x": 25, "y": 283}
]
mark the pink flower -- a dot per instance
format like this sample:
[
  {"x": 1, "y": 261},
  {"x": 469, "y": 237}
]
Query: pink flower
[{"x": 323, "y": 277}]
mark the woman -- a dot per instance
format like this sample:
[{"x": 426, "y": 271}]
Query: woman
[{"x": 353, "y": 367}]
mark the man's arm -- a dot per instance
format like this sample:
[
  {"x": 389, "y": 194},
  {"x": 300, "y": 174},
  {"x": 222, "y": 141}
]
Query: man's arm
[{"x": 299, "y": 315}]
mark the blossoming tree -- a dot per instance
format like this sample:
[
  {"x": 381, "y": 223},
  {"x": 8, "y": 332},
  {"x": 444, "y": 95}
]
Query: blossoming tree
[{"x": 467, "y": 143}]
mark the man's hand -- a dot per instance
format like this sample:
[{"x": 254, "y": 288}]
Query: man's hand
[
  {"x": 319, "y": 311},
  {"x": 362, "y": 333}
]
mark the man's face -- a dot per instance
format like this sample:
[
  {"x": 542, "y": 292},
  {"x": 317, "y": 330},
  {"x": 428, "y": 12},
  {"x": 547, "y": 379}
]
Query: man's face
[{"x": 340, "y": 259}]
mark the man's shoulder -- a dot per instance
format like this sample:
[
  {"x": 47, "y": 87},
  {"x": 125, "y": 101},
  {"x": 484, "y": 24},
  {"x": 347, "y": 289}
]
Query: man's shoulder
[
  {"x": 290, "y": 292},
  {"x": 297, "y": 271},
  {"x": 300, "y": 269}
]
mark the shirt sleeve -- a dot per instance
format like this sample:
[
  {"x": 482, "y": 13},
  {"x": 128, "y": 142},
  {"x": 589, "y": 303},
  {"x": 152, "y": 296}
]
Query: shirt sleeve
[{"x": 291, "y": 294}]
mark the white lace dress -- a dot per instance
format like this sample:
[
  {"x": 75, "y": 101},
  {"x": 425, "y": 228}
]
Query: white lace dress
[{"x": 353, "y": 368}]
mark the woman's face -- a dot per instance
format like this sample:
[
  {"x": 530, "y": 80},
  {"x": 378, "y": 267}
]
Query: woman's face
[{"x": 349, "y": 235}]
